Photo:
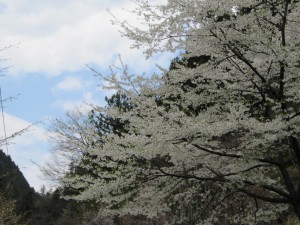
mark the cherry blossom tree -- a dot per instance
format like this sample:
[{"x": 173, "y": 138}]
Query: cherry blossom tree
[{"x": 216, "y": 142}]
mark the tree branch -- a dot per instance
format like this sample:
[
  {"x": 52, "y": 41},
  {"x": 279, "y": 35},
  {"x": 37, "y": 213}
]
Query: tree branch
[
  {"x": 263, "y": 197},
  {"x": 216, "y": 152}
]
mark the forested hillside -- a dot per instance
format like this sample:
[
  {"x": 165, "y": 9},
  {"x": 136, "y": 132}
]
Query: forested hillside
[
  {"x": 21, "y": 205},
  {"x": 15, "y": 192}
]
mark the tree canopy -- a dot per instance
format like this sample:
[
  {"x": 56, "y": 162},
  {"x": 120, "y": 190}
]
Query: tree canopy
[{"x": 213, "y": 140}]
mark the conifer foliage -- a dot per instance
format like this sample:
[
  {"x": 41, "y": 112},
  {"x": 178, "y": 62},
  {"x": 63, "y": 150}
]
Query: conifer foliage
[{"x": 214, "y": 141}]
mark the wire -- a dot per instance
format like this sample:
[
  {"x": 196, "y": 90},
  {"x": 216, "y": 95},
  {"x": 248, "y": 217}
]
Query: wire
[{"x": 3, "y": 121}]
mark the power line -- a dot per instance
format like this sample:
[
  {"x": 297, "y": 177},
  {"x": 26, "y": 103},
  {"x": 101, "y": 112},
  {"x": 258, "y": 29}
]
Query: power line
[{"x": 3, "y": 121}]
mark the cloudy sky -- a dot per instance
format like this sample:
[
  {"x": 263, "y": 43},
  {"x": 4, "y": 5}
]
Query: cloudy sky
[{"x": 46, "y": 45}]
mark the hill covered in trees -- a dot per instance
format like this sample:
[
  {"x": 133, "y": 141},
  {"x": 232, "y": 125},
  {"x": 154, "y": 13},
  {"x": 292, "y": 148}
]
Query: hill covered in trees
[{"x": 21, "y": 205}]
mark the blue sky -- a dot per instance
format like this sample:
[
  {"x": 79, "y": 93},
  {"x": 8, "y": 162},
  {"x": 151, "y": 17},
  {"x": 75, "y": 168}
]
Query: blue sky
[{"x": 52, "y": 41}]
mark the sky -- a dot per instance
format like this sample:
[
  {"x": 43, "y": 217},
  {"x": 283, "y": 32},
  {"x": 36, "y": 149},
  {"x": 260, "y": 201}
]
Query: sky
[{"x": 46, "y": 46}]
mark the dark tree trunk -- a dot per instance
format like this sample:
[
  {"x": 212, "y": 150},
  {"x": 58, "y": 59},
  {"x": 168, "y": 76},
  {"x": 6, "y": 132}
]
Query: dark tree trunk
[
  {"x": 297, "y": 208},
  {"x": 295, "y": 145}
]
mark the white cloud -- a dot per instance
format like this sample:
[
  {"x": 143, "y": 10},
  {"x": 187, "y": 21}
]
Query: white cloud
[
  {"x": 58, "y": 36},
  {"x": 27, "y": 149},
  {"x": 84, "y": 104},
  {"x": 71, "y": 84}
]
